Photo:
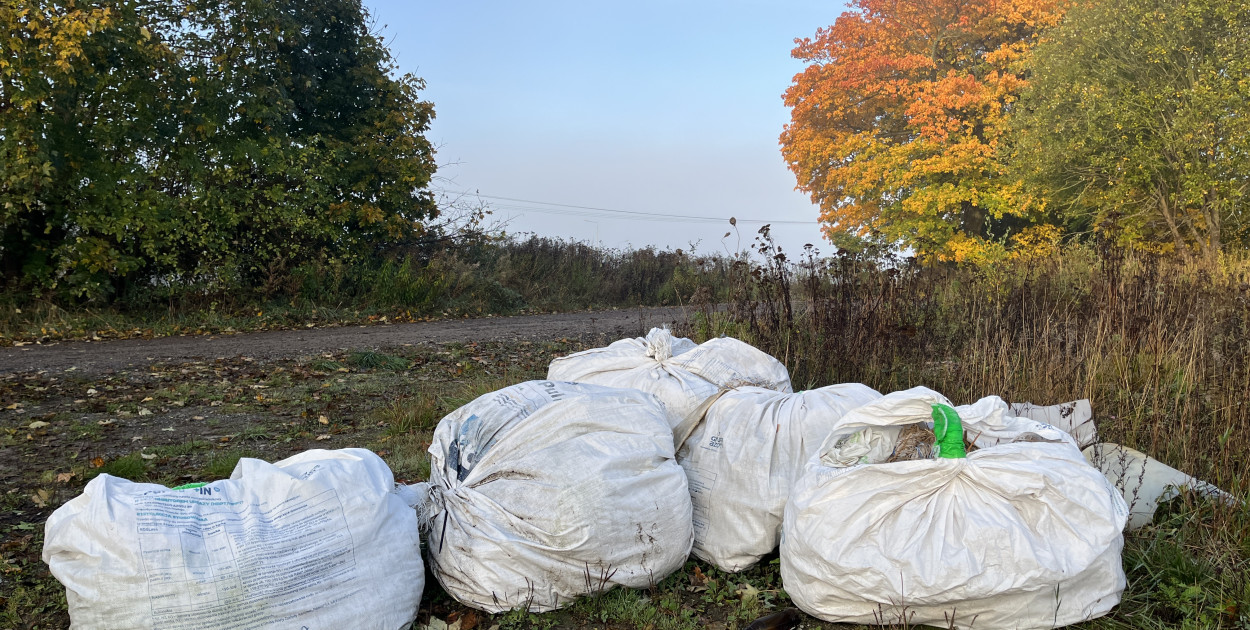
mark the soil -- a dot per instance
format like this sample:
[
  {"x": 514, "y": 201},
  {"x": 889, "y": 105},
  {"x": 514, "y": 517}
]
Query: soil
[{"x": 105, "y": 356}]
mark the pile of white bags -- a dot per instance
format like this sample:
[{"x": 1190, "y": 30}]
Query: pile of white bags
[
  {"x": 742, "y": 457},
  {"x": 679, "y": 372},
  {"x": 545, "y": 491},
  {"x": 319, "y": 540},
  {"x": 1022, "y": 534}
]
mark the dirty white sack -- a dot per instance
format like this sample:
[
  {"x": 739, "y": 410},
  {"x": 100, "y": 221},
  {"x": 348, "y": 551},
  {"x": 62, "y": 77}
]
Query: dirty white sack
[
  {"x": 1076, "y": 418},
  {"x": 742, "y": 457},
  {"x": 679, "y": 372},
  {"x": 545, "y": 491},
  {"x": 318, "y": 540},
  {"x": 1145, "y": 482},
  {"x": 1021, "y": 534}
]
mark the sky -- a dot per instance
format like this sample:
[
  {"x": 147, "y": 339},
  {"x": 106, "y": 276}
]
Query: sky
[{"x": 556, "y": 113}]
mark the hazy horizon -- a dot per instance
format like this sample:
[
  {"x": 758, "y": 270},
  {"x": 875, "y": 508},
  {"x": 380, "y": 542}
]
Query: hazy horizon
[{"x": 642, "y": 108}]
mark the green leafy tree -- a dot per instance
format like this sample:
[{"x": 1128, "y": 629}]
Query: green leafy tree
[
  {"x": 1138, "y": 123},
  {"x": 210, "y": 144}
]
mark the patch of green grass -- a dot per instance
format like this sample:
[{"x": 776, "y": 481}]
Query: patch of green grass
[
  {"x": 222, "y": 463},
  {"x": 473, "y": 389},
  {"x": 132, "y": 467},
  {"x": 32, "y": 597},
  {"x": 326, "y": 365},
  {"x": 409, "y": 413},
  {"x": 521, "y": 619},
  {"x": 86, "y": 429},
  {"x": 177, "y": 392},
  {"x": 407, "y": 456},
  {"x": 1187, "y": 569},
  {"x": 370, "y": 360},
  {"x": 181, "y": 450},
  {"x": 253, "y": 433}
]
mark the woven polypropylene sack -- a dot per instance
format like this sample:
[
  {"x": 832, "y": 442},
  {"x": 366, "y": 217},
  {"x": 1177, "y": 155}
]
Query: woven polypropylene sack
[
  {"x": 1024, "y": 534},
  {"x": 679, "y": 372},
  {"x": 742, "y": 457},
  {"x": 545, "y": 491},
  {"x": 319, "y": 540}
]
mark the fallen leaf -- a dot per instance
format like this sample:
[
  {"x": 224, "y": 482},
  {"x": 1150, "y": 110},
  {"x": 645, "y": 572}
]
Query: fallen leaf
[
  {"x": 323, "y": 420},
  {"x": 747, "y": 592},
  {"x": 148, "y": 399},
  {"x": 97, "y": 462},
  {"x": 92, "y": 392},
  {"x": 196, "y": 418},
  {"x": 147, "y": 455},
  {"x": 65, "y": 477},
  {"x": 144, "y": 411},
  {"x": 41, "y": 497},
  {"x": 38, "y": 424},
  {"x": 698, "y": 581},
  {"x": 324, "y": 436},
  {"x": 136, "y": 438},
  {"x": 105, "y": 423}
]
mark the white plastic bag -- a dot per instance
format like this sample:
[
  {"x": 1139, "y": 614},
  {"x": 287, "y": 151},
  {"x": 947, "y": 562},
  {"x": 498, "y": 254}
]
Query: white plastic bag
[
  {"x": 1021, "y": 534},
  {"x": 742, "y": 457},
  {"x": 545, "y": 491},
  {"x": 1145, "y": 482},
  {"x": 676, "y": 370},
  {"x": 319, "y": 540},
  {"x": 1076, "y": 418}
]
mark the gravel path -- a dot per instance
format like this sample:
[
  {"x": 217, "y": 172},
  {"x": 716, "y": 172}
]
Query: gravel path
[{"x": 103, "y": 356}]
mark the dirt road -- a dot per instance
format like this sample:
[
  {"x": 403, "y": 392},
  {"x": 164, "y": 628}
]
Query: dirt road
[{"x": 94, "y": 357}]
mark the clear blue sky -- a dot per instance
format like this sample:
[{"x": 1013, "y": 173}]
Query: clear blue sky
[{"x": 671, "y": 108}]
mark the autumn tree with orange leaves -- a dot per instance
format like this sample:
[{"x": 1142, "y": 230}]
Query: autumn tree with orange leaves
[{"x": 896, "y": 121}]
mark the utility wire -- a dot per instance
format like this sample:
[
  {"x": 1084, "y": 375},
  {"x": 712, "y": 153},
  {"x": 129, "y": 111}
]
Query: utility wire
[{"x": 591, "y": 211}]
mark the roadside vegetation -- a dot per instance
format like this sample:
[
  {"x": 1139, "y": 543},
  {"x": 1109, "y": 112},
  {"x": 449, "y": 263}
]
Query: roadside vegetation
[{"x": 471, "y": 278}]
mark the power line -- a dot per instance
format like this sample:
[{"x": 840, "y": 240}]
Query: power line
[{"x": 591, "y": 211}]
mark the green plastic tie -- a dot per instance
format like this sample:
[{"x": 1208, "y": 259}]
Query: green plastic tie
[
  {"x": 949, "y": 432},
  {"x": 190, "y": 486}
]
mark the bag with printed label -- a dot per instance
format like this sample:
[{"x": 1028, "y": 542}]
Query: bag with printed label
[
  {"x": 1021, "y": 533},
  {"x": 681, "y": 373},
  {"x": 743, "y": 453},
  {"x": 318, "y": 540},
  {"x": 546, "y": 491}
]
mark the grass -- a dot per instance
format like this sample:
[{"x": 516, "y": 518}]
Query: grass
[
  {"x": 409, "y": 414},
  {"x": 370, "y": 360},
  {"x": 132, "y": 467}
]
